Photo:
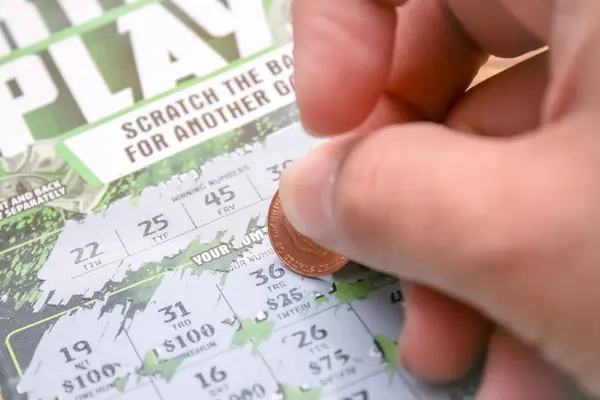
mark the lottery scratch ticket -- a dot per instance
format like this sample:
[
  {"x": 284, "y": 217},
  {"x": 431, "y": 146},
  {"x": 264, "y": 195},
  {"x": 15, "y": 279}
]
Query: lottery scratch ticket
[{"x": 141, "y": 145}]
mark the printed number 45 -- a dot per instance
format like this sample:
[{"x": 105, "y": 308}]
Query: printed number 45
[{"x": 222, "y": 195}]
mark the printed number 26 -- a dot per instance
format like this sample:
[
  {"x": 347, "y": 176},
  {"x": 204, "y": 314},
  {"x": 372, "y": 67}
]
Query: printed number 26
[{"x": 305, "y": 338}]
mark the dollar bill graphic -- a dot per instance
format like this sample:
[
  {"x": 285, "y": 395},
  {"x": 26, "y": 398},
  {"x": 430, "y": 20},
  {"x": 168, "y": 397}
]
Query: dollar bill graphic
[
  {"x": 39, "y": 165},
  {"x": 39, "y": 158},
  {"x": 80, "y": 197}
]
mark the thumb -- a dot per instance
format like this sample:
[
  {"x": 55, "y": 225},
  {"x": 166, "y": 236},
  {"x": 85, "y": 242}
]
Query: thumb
[
  {"x": 417, "y": 192},
  {"x": 481, "y": 219}
]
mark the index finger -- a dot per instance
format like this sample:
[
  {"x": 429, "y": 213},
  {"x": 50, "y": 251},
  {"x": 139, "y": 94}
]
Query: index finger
[
  {"x": 352, "y": 55},
  {"x": 343, "y": 55}
]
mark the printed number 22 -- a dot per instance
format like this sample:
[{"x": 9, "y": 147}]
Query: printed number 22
[{"x": 80, "y": 251}]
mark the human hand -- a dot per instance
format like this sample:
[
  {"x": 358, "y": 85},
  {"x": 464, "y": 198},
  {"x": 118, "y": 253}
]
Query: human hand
[{"x": 493, "y": 216}]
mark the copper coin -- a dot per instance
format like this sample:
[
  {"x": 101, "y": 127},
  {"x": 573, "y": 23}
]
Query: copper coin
[{"x": 296, "y": 251}]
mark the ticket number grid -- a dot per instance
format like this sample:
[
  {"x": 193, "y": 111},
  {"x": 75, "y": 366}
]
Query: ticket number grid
[{"x": 331, "y": 347}]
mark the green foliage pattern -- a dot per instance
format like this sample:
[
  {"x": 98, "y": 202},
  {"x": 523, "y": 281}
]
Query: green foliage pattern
[
  {"x": 19, "y": 270},
  {"x": 19, "y": 267}
]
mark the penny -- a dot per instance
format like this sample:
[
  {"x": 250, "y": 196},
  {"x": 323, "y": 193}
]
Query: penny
[{"x": 296, "y": 251}]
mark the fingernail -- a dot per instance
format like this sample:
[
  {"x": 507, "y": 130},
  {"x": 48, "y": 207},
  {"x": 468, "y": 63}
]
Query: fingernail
[{"x": 306, "y": 190}]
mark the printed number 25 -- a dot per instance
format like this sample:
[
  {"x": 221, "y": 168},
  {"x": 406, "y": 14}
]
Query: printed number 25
[{"x": 159, "y": 222}]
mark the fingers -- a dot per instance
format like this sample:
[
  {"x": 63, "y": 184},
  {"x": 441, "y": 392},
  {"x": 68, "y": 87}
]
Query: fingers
[
  {"x": 479, "y": 218},
  {"x": 535, "y": 15},
  {"x": 433, "y": 61},
  {"x": 348, "y": 54},
  {"x": 405, "y": 193},
  {"x": 575, "y": 40},
  {"x": 508, "y": 105},
  {"x": 342, "y": 56},
  {"x": 436, "y": 59},
  {"x": 498, "y": 27},
  {"x": 416, "y": 189},
  {"x": 516, "y": 372},
  {"x": 442, "y": 339}
]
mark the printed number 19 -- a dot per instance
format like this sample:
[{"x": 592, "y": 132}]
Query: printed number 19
[{"x": 79, "y": 347}]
